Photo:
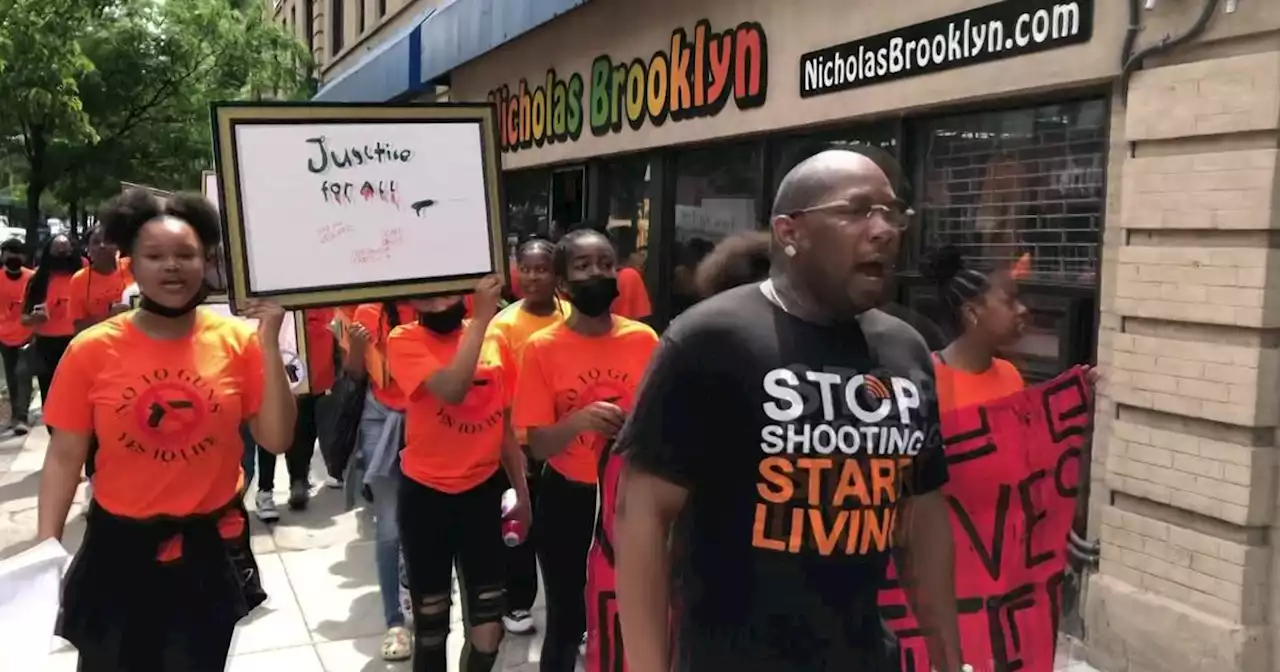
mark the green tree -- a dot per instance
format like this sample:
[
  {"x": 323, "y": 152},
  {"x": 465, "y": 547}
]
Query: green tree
[
  {"x": 42, "y": 64},
  {"x": 154, "y": 67},
  {"x": 160, "y": 64}
]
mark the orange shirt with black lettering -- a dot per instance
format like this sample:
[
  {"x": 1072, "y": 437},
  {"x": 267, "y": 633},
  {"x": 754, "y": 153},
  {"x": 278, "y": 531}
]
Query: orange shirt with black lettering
[
  {"x": 371, "y": 317},
  {"x": 448, "y": 447},
  {"x": 320, "y": 346},
  {"x": 166, "y": 413},
  {"x": 92, "y": 293},
  {"x": 563, "y": 371},
  {"x": 12, "y": 291},
  {"x": 960, "y": 389},
  {"x": 57, "y": 305},
  {"x": 633, "y": 298}
]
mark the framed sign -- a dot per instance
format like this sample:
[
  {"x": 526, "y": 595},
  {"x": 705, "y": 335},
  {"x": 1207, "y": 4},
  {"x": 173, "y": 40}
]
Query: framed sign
[
  {"x": 329, "y": 204},
  {"x": 293, "y": 339}
]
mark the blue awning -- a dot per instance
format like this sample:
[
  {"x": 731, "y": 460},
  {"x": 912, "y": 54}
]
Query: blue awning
[
  {"x": 466, "y": 29},
  {"x": 385, "y": 73}
]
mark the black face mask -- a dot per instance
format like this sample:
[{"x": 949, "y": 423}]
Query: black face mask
[
  {"x": 63, "y": 264},
  {"x": 446, "y": 321},
  {"x": 13, "y": 264},
  {"x": 593, "y": 296},
  {"x": 151, "y": 306}
]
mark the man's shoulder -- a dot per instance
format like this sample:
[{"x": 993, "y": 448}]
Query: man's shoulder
[
  {"x": 724, "y": 313},
  {"x": 889, "y": 334}
]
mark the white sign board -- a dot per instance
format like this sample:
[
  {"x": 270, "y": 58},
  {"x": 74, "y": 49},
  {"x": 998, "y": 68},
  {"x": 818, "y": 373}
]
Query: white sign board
[{"x": 329, "y": 204}]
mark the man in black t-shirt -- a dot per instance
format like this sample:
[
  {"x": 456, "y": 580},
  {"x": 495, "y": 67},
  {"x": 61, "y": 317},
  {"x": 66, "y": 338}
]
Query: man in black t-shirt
[{"x": 784, "y": 443}]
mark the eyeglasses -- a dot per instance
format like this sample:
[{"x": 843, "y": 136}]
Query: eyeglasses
[{"x": 896, "y": 213}]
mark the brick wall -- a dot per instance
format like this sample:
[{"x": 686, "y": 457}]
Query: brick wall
[{"x": 1185, "y": 443}]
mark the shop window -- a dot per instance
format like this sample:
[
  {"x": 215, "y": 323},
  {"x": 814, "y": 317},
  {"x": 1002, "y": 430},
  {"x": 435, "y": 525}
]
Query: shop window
[
  {"x": 1019, "y": 188},
  {"x": 785, "y": 153},
  {"x": 717, "y": 194},
  {"x": 568, "y": 199},
  {"x": 527, "y": 200},
  {"x": 629, "y": 192}
]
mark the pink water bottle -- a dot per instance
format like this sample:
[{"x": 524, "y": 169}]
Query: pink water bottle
[{"x": 512, "y": 529}]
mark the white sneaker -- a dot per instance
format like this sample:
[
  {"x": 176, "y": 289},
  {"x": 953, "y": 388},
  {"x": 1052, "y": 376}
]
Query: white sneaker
[
  {"x": 582, "y": 648},
  {"x": 267, "y": 512},
  {"x": 518, "y": 622},
  {"x": 333, "y": 483}
]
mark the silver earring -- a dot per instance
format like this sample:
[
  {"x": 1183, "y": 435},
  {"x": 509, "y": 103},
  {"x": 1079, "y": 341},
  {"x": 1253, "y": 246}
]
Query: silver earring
[{"x": 789, "y": 250}]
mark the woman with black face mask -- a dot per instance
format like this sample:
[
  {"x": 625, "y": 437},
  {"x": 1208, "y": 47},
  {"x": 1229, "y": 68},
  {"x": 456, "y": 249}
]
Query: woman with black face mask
[
  {"x": 14, "y": 333},
  {"x": 165, "y": 570},
  {"x": 458, "y": 434},
  {"x": 47, "y": 307},
  {"x": 576, "y": 385}
]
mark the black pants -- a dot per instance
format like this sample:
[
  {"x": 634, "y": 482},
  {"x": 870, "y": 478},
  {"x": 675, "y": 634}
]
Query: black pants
[
  {"x": 439, "y": 530},
  {"x": 18, "y": 379},
  {"x": 298, "y": 459},
  {"x": 522, "y": 560},
  {"x": 566, "y": 517},
  {"x": 48, "y": 350}
]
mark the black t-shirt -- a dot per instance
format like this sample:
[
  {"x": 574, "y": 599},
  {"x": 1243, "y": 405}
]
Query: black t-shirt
[{"x": 795, "y": 442}]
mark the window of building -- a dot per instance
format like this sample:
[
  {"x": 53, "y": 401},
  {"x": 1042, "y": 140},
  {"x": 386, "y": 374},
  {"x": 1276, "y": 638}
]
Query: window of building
[
  {"x": 717, "y": 194},
  {"x": 382, "y": 8},
  {"x": 630, "y": 193},
  {"x": 309, "y": 25},
  {"x": 337, "y": 26},
  {"x": 527, "y": 201},
  {"x": 360, "y": 11},
  {"x": 1021, "y": 188},
  {"x": 786, "y": 152},
  {"x": 1024, "y": 190},
  {"x": 568, "y": 199}
]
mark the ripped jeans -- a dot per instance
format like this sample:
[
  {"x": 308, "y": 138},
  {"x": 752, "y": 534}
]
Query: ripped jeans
[{"x": 437, "y": 531}]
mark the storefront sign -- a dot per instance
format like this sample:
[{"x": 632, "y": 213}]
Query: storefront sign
[
  {"x": 990, "y": 33},
  {"x": 695, "y": 77}
]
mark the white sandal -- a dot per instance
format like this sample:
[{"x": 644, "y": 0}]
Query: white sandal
[{"x": 397, "y": 644}]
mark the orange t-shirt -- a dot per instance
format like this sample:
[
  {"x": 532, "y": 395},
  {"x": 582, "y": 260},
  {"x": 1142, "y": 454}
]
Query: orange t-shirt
[
  {"x": 960, "y": 389},
  {"x": 448, "y": 447},
  {"x": 12, "y": 291},
  {"x": 166, "y": 414},
  {"x": 320, "y": 344},
  {"x": 57, "y": 303},
  {"x": 633, "y": 298},
  {"x": 563, "y": 371},
  {"x": 370, "y": 316},
  {"x": 512, "y": 327},
  {"x": 92, "y": 293}
]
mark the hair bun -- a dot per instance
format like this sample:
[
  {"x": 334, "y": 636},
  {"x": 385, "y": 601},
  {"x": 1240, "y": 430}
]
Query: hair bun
[{"x": 944, "y": 264}]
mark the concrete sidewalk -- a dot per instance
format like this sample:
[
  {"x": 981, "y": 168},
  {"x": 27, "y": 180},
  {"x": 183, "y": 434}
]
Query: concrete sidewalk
[{"x": 324, "y": 613}]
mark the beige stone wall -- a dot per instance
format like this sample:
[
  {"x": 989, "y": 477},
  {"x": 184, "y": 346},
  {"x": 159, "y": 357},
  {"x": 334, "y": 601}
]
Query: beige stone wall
[{"x": 1186, "y": 440}]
